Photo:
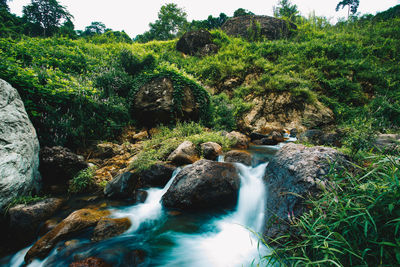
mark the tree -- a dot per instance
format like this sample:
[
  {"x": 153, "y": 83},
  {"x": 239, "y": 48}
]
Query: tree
[
  {"x": 241, "y": 12},
  {"x": 352, "y": 6},
  {"x": 95, "y": 27},
  {"x": 48, "y": 14},
  {"x": 171, "y": 20},
  {"x": 3, "y": 4},
  {"x": 285, "y": 9}
]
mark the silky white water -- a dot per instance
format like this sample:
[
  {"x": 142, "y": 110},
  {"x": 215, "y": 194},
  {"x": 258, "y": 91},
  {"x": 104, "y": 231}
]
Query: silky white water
[{"x": 200, "y": 239}]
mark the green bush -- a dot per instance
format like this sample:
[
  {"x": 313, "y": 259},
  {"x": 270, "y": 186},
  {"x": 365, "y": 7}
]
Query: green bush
[{"x": 83, "y": 182}]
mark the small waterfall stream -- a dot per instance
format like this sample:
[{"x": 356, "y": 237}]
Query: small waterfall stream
[{"x": 215, "y": 238}]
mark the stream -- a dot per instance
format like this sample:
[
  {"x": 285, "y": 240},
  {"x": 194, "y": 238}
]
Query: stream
[{"x": 214, "y": 238}]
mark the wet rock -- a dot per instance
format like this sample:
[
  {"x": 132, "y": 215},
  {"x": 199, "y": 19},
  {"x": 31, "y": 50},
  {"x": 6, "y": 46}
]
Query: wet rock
[
  {"x": 122, "y": 186},
  {"x": 74, "y": 223},
  {"x": 205, "y": 184},
  {"x": 186, "y": 153},
  {"x": 140, "y": 196},
  {"x": 26, "y": 219},
  {"x": 196, "y": 42},
  {"x": 293, "y": 133},
  {"x": 292, "y": 176},
  {"x": 211, "y": 150},
  {"x": 19, "y": 148},
  {"x": 155, "y": 103},
  {"x": 270, "y": 27},
  {"x": 268, "y": 141},
  {"x": 239, "y": 156},
  {"x": 59, "y": 164},
  {"x": 135, "y": 258},
  {"x": 108, "y": 227},
  {"x": 241, "y": 141},
  {"x": 257, "y": 136},
  {"x": 48, "y": 225},
  {"x": 90, "y": 262},
  {"x": 157, "y": 175}
]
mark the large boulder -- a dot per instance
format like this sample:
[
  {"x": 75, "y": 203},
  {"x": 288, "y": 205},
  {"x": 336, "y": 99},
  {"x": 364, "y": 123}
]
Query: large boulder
[
  {"x": 122, "y": 186},
  {"x": 59, "y": 164},
  {"x": 185, "y": 153},
  {"x": 269, "y": 27},
  {"x": 205, "y": 184},
  {"x": 19, "y": 148},
  {"x": 154, "y": 103},
  {"x": 25, "y": 219},
  {"x": 238, "y": 156},
  {"x": 292, "y": 176},
  {"x": 196, "y": 42},
  {"x": 109, "y": 227},
  {"x": 277, "y": 111},
  {"x": 239, "y": 140},
  {"x": 157, "y": 175},
  {"x": 74, "y": 223}
]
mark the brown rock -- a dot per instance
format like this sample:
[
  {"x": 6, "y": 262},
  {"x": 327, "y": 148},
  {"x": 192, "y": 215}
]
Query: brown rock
[
  {"x": 239, "y": 156},
  {"x": 75, "y": 222},
  {"x": 90, "y": 262},
  {"x": 196, "y": 43},
  {"x": 211, "y": 150},
  {"x": 25, "y": 219},
  {"x": 185, "y": 154},
  {"x": 108, "y": 227},
  {"x": 240, "y": 141}
]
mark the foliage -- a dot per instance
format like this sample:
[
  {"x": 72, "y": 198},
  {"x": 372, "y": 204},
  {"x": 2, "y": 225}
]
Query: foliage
[
  {"x": 48, "y": 14},
  {"x": 285, "y": 9},
  {"x": 171, "y": 21},
  {"x": 83, "y": 182},
  {"x": 354, "y": 224},
  {"x": 391, "y": 13},
  {"x": 352, "y": 4},
  {"x": 242, "y": 12},
  {"x": 95, "y": 27},
  {"x": 210, "y": 23},
  {"x": 167, "y": 139},
  {"x": 24, "y": 200}
]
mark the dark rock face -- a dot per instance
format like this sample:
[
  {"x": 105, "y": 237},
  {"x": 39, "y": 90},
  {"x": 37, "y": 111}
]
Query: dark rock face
[
  {"x": 108, "y": 227},
  {"x": 157, "y": 175},
  {"x": 59, "y": 164},
  {"x": 154, "y": 103},
  {"x": 75, "y": 222},
  {"x": 272, "y": 28},
  {"x": 122, "y": 186},
  {"x": 19, "y": 148},
  {"x": 295, "y": 173},
  {"x": 196, "y": 42},
  {"x": 239, "y": 156},
  {"x": 211, "y": 150},
  {"x": 26, "y": 219},
  {"x": 90, "y": 262},
  {"x": 205, "y": 184}
]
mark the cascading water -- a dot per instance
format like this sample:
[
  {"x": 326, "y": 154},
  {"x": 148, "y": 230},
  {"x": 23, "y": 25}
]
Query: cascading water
[{"x": 198, "y": 239}]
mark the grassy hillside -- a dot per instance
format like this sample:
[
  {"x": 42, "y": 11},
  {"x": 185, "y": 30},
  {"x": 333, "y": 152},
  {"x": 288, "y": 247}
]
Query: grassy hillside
[{"x": 77, "y": 91}]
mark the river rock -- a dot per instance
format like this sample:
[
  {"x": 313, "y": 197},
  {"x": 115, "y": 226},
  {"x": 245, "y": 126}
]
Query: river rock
[
  {"x": 157, "y": 175},
  {"x": 205, "y": 184},
  {"x": 196, "y": 43},
  {"x": 240, "y": 141},
  {"x": 58, "y": 164},
  {"x": 388, "y": 142},
  {"x": 270, "y": 27},
  {"x": 109, "y": 227},
  {"x": 320, "y": 137},
  {"x": 74, "y": 223},
  {"x": 19, "y": 148},
  {"x": 239, "y": 156},
  {"x": 90, "y": 262},
  {"x": 25, "y": 219},
  {"x": 122, "y": 186},
  {"x": 186, "y": 153},
  {"x": 211, "y": 150},
  {"x": 295, "y": 173},
  {"x": 155, "y": 103}
]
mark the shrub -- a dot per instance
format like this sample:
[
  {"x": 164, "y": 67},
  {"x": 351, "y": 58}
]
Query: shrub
[{"x": 83, "y": 182}]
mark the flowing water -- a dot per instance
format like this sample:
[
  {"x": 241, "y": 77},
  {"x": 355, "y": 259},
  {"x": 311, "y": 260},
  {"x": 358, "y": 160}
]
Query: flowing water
[{"x": 212, "y": 238}]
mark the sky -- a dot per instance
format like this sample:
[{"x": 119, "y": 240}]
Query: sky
[{"x": 134, "y": 16}]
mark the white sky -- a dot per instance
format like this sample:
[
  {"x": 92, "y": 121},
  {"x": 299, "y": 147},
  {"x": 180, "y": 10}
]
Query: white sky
[{"x": 134, "y": 16}]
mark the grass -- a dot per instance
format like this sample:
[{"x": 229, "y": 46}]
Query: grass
[
  {"x": 83, "y": 182},
  {"x": 24, "y": 200},
  {"x": 167, "y": 139},
  {"x": 355, "y": 224}
]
